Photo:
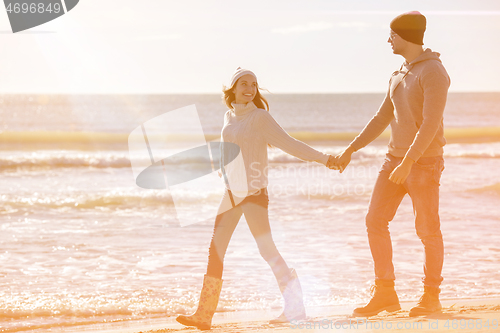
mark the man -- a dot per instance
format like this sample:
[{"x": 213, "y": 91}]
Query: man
[{"x": 414, "y": 107}]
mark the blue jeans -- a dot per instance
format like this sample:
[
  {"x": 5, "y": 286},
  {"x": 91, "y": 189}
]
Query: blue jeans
[{"x": 423, "y": 187}]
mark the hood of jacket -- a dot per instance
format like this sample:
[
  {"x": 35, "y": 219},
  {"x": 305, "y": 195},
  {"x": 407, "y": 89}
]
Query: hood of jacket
[{"x": 428, "y": 54}]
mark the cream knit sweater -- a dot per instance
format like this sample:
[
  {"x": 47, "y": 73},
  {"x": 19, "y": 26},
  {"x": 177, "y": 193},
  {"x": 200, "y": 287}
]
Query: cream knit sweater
[{"x": 252, "y": 129}]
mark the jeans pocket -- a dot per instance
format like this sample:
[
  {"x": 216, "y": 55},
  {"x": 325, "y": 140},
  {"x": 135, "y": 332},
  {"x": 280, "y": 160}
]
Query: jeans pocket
[
  {"x": 389, "y": 164},
  {"x": 438, "y": 171},
  {"x": 432, "y": 166}
]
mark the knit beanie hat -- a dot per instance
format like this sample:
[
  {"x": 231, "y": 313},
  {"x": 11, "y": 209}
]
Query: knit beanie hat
[
  {"x": 239, "y": 73},
  {"x": 410, "y": 26}
]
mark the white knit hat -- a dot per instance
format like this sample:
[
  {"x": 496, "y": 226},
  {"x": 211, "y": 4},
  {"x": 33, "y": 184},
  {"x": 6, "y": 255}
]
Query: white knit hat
[{"x": 239, "y": 73}]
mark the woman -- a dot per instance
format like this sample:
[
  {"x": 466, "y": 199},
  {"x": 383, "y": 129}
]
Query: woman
[{"x": 250, "y": 128}]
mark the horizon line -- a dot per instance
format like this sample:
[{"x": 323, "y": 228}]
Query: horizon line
[{"x": 217, "y": 93}]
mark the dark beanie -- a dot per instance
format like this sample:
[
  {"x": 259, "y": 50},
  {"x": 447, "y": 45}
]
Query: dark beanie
[{"x": 410, "y": 26}]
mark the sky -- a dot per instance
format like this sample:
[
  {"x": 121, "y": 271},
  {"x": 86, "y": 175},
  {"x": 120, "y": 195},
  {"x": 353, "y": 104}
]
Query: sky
[{"x": 193, "y": 46}]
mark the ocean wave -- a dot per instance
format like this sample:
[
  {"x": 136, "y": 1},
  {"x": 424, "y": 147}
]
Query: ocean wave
[
  {"x": 472, "y": 154},
  {"x": 102, "y": 160},
  {"x": 45, "y": 312},
  {"x": 71, "y": 159},
  {"x": 97, "y": 160},
  {"x": 495, "y": 188},
  {"x": 113, "y": 199},
  {"x": 156, "y": 199},
  {"x": 87, "y": 201},
  {"x": 64, "y": 160},
  {"x": 474, "y": 150},
  {"x": 87, "y": 308}
]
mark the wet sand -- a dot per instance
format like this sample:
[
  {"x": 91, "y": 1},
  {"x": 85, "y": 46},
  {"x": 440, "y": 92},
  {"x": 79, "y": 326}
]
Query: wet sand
[{"x": 464, "y": 315}]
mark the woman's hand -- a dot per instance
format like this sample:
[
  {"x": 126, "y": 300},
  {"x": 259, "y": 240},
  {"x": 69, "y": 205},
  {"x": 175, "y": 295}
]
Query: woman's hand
[
  {"x": 332, "y": 163},
  {"x": 344, "y": 158}
]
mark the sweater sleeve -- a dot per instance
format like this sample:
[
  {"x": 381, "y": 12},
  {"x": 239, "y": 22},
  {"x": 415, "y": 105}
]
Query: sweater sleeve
[
  {"x": 435, "y": 86},
  {"x": 376, "y": 125},
  {"x": 275, "y": 135}
]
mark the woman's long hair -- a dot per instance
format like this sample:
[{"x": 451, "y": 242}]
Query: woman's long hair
[{"x": 229, "y": 97}]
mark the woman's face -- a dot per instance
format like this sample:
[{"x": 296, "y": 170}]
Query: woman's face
[{"x": 245, "y": 89}]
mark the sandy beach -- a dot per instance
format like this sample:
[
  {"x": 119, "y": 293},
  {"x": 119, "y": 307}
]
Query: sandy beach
[
  {"x": 460, "y": 315},
  {"x": 464, "y": 315}
]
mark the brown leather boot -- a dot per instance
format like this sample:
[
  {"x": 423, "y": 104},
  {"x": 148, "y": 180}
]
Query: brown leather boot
[
  {"x": 384, "y": 297},
  {"x": 209, "y": 298},
  {"x": 428, "y": 303}
]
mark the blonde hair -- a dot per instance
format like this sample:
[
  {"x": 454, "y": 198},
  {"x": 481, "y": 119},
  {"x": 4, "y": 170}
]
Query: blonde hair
[{"x": 229, "y": 97}]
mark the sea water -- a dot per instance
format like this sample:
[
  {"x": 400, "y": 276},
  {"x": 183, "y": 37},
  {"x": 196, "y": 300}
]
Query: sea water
[{"x": 81, "y": 243}]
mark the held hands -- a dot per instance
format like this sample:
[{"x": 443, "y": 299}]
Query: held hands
[
  {"x": 340, "y": 161},
  {"x": 397, "y": 176},
  {"x": 332, "y": 163}
]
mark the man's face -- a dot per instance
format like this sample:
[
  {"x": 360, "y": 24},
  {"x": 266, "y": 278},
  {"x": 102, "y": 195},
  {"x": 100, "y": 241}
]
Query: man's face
[{"x": 398, "y": 44}]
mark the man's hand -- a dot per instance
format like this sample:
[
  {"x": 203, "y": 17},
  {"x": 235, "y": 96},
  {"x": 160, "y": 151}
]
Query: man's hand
[
  {"x": 402, "y": 171},
  {"x": 344, "y": 158},
  {"x": 332, "y": 163}
]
